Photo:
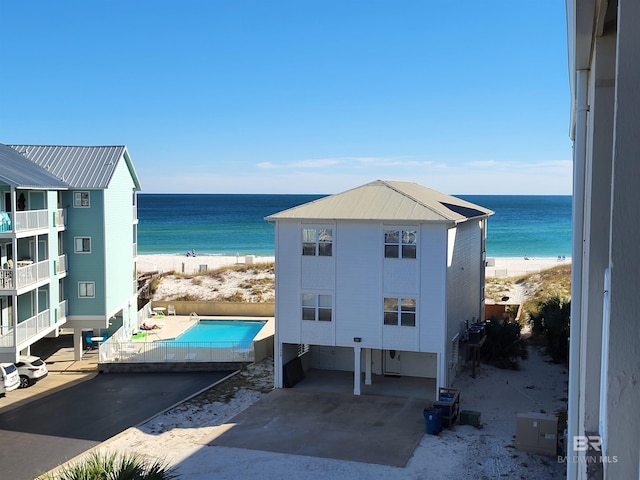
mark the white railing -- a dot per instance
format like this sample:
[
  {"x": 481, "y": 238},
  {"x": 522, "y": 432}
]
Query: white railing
[
  {"x": 26, "y": 330},
  {"x": 62, "y": 310},
  {"x": 135, "y": 250},
  {"x": 175, "y": 352},
  {"x": 61, "y": 264},
  {"x": 25, "y": 275},
  {"x": 60, "y": 218},
  {"x": 30, "y": 220}
]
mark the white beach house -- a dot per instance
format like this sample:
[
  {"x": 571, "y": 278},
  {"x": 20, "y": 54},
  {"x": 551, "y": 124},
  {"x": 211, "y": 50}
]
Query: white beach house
[{"x": 379, "y": 280}]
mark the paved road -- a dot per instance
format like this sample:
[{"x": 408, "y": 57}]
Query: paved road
[{"x": 49, "y": 431}]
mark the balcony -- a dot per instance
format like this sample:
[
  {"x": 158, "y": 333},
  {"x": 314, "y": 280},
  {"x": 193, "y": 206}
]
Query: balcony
[
  {"x": 25, "y": 221},
  {"x": 61, "y": 265},
  {"x": 27, "y": 330},
  {"x": 26, "y": 273}
]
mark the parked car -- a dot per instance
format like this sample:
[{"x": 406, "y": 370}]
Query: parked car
[
  {"x": 9, "y": 376},
  {"x": 31, "y": 369}
]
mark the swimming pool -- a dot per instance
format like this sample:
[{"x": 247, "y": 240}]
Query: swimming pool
[{"x": 224, "y": 333}]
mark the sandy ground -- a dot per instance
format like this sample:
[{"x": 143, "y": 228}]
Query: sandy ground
[
  {"x": 180, "y": 435},
  {"x": 182, "y": 264}
]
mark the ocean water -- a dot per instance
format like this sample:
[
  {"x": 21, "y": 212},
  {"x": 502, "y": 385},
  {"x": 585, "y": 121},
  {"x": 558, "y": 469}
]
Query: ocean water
[{"x": 216, "y": 224}]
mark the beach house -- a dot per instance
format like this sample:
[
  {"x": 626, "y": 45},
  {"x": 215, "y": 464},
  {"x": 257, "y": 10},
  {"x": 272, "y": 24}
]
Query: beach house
[
  {"x": 604, "y": 392},
  {"x": 67, "y": 243},
  {"x": 378, "y": 280}
]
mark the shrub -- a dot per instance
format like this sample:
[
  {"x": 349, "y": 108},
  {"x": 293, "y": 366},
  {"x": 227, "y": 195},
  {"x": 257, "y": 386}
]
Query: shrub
[
  {"x": 110, "y": 466},
  {"x": 504, "y": 346},
  {"x": 552, "y": 319}
]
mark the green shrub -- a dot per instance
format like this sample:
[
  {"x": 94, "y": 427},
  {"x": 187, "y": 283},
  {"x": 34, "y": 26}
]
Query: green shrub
[
  {"x": 504, "y": 346},
  {"x": 110, "y": 466},
  {"x": 552, "y": 319}
]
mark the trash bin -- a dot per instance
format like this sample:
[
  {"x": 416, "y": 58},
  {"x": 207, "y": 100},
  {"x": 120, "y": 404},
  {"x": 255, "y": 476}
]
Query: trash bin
[{"x": 432, "y": 422}]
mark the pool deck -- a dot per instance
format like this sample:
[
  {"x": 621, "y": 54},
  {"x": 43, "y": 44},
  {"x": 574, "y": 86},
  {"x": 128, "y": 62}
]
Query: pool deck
[{"x": 173, "y": 325}]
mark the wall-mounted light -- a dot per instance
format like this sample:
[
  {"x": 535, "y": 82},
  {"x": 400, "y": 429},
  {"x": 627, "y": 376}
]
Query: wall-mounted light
[{"x": 357, "y": 339}]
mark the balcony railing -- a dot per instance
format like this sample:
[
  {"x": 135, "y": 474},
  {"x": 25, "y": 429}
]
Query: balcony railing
[
  {"x": 60, "y": 218},
  {"x": 25, "y": 274},
  {"x": 31, "y": 220},
  {"x": 26, "y": 330},
  {"x": 61, "y": 264}
]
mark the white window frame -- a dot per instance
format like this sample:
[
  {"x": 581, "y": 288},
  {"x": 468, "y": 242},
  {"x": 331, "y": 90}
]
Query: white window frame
[
  {"x": 79, "y": 201},
  {"x": 316, "y": 305},
  {"x": 399, "y": 311},
  {"x": 321, "y": 247},
  {"x": 75, "y": 244},
  {"x": 86, "y": 286},
  {"x": 405, "y": 243}
]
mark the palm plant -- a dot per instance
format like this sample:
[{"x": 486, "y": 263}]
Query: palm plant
[{"x": 111, "y": 466}]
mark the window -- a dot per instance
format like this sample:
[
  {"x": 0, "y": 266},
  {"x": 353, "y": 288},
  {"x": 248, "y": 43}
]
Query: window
[
  {"x": 316, "y": 307},
  {"x": 86, "y": 289},
  {"x": 80, "y": 199},
  {"x": 400, "y": 243},
  {"x": 317, "y": 241},
  {"x": 82, "y": 244},
  {"x": 400, "y": 311}
]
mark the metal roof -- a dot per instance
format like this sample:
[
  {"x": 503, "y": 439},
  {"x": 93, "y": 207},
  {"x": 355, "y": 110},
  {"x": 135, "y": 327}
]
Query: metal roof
[
  {"x": 20, "y": 172},
  {"x": 383, "y": 200},
  {"x": 80, "y": 167}
]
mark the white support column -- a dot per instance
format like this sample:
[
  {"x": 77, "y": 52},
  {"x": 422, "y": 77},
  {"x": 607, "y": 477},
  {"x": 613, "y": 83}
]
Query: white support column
[
  {"x": 367, "y": 366},
  {"x": 277, "y": 362},
  {"x": 77, "y": 344},
  {"x": 357, "y": 369}
]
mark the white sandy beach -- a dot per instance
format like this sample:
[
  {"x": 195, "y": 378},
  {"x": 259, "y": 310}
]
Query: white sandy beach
[
  {"x": 164, "y": 263},
  {"x": 496, "y": 266}
]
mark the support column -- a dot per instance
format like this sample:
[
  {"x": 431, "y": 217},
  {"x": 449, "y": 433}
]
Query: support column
[
  {"x": 367, "y": 366},
  {"x": 77, "y": 344},
  {"x": 357, "y": 370}
]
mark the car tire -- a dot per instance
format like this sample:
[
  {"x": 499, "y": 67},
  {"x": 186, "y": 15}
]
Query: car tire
[{"x": 25, "y": 381}]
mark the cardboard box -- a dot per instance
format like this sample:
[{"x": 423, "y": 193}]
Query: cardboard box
[{"x": 537, "y": 433}]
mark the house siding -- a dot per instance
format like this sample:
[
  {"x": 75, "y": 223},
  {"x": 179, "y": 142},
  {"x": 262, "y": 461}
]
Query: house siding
[
  {"x": 464, "y": 278},
  {"x": 118, "y": 252},
  {"x": 359, "y": 278},
  {"x": 85, "y": 267}
]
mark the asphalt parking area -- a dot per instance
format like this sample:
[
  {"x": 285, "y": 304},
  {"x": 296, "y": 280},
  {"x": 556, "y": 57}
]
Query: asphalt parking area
[
  {"x": 366, "y": 428},
  {"x": 48, "y": 431}
]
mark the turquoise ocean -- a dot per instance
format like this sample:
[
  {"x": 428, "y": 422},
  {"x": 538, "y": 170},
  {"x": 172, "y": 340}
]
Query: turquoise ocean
[{"x": 225, "y": 224}]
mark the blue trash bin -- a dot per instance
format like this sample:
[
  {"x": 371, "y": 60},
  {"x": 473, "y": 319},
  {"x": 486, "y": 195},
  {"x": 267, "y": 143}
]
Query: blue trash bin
[{"x": 432, "y": 421}]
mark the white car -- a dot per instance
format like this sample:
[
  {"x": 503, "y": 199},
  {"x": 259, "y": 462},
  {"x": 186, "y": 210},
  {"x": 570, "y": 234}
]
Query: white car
[
  {"x": 31, "y": 369},
  {"x": 9, "y": 376}
]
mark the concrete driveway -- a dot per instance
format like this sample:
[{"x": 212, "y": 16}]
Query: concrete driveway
[
  {"x": 48, "y": 431},
  {"x": 367, "y": 428}
]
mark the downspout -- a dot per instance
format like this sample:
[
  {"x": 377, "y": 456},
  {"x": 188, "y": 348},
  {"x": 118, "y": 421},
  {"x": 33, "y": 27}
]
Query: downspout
[{"x": 579, "y": 163}]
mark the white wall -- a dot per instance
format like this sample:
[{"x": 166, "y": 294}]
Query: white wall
[{"x": 464, "y": 278}]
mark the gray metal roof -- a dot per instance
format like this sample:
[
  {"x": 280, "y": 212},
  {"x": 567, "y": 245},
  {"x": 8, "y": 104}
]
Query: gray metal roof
[
  {"x": 80, "y": 167},
  {"x": 387, "y": 201},
  {"x": 20, "y": 172}
]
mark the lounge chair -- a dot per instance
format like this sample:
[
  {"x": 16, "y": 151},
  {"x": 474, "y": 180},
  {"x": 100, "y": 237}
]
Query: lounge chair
[{"x": 171, "y": 310}]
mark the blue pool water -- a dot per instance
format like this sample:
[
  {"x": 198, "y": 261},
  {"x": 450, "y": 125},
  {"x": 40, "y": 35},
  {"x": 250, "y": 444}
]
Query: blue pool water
[{"x": 224, "y": 333}]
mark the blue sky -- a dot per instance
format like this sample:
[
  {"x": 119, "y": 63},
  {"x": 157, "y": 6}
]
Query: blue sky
[{"x": 305, "y": 96}]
